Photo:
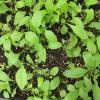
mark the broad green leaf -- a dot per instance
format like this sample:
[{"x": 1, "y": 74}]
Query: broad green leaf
[
  {"x": 90, "y": 2},
  {"x": 60, "y": 3},
  {"x": 20, "y": 4},
  {"x": 95, "y": 25},
  {"x": 71, "y": 96},
  {"x": 4, "y": 85},
  {"x": 21, "y": 78},
  {"x": 49, "y": 6},
  {"x": 54, "y": 45},
  {"x": 82, "y": 94},
  {"x": 6, "y": 94},
  {"x": 29, "y": 59},
  {"x": 29, "y": 2},
  {"x": 88, "y": 84},
  {"x": 24, "y": 21},
  {"x": 7, "y": 45},
  {"x": 32, "y": 38},
  {"x": 13, "y": 92},
  {"x": 36, "y": 19},
  {"x": 41, "y": 55},
  {"x": 3, "y": 8},
  {"x": 50, "y": 36},
  {"x": 54, "y": 83},
  {"x": 64, "y": 30},
  {"x": 91, "y": 46},
  {"x": 73, "y": 8},
  {"x": 38, "y": 47},
  {"x": 89, "y": 60},
  {"x": 4, "y": 76},
  {"x": 3, "y": 38},
  {"x": 97, "y": 59},
  {"x": 12, "y": 58},
  {"x": 40, "y": 81},
  {"x": 55, "y": 19},
  {"x": 54, "y": 71},
  {"x": 78, "y": 28},
  {"x": 19, "y": 15},
  {"x": 80, "y": 32},
  {"x": 62, "y": 93},
  {"x": 77, "y": 21},
  {"x": 16, "y": 36},
  {"x": 73, "y": 52},
  {"x": 98, "y": 42},
  {"x": 73, "y": 41},
  {"x": 89, "y": 15},
  {"x": 75, "y": 73},
  {"x": 70, "y": 88},
  {"x": 46, "y": 86},
  {"x": 96, "y": 92}
]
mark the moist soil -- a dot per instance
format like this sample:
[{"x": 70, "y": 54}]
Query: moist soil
[{"x": 54, "y": 58}]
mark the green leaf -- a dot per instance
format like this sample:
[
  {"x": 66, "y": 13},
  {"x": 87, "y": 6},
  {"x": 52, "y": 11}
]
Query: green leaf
[
  {"x": 4, "y": 85},
  {"x": 80, "y": 32},
  {"x": 7, "y": 45},
  {"x": 78, "y": 28},
  {"x": 16, "y": 36},
  {"x": 20, "y": 4},
  {"x": 3, "y": 8},
  {"x": 36, "y": 19},
  {"x": 54, "y": 71},
  {"x": 73, "y": 41},
  {"x": 88, "y": 84},
  {"x": 64, "y": 30},
  {"x": 38, "y": 47},
  {"x": 50, "y": 36},
  {"x": 62, "y": 93},
  {"x": 41, "y": 55},
  {"x": 32, "y": 38},
  {"x": 40, "y": 81},
  {"x": 13, "y": 92},
  {"x": 89, "y": 60},
  {"x": 96, "y": 92},
  {"x": 46, "y": 86},
  {"x": 24, "y": 21},
  {"x": 90, "y": 2},
  {"x": 49, "y": 6},
  {"x": 98, "y": 42},
  {"x": 12, "y": 58},
  {"x": 97, "y": 59},
  {"x": 82, "y": 94},
  {"x": 54, "y": 83},
  {"x": 19, "y": 15},
  {"x": 29, "y": 2},
  {"x": 60, "y": 3},
  {"x": 71, "y": 96},
  {"x": 6, "y": 94},
  {"x": 70, "y": 87},
  {"x": 21, "y": 78},
  {"x": 75, "y": 73},
  {"x": 89, "y": 15},
  {"x": 95, "y": 25},
  {"x": 29, "y": 59},
  {"x": 4, "y": 76},
  {"x": 54, "y": 45},
  {"x": 73, "y": 52},
  {"x": 91, "y": 46}
]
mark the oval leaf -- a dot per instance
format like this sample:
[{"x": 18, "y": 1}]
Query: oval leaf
[
  {"x": 75, "y": 73},
  {"x": 21, "y": 78}
]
